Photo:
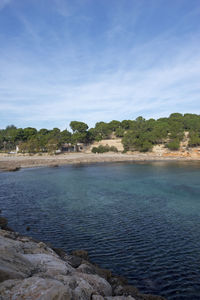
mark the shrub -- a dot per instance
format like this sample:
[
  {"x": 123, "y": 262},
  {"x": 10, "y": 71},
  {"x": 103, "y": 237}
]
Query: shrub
[
  {"x": 113, "y": 149},
  {"x": 173, "y": 145},
  {"x": 103, "y": 149}
]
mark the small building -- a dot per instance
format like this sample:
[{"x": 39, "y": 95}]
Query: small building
[
  {"x": 80, "y": 147},
  {"x": 68, "y": 147}
]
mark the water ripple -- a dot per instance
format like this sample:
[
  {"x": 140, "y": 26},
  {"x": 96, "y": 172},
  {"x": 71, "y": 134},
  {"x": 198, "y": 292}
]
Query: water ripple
[{"x": 140, "y": 221}]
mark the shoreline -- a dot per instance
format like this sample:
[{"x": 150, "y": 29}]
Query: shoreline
[
  {"x": 31, "y": 267},
  {"x": 15, "y": 162}
]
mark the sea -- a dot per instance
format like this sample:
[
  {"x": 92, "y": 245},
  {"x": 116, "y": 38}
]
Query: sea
[{"x": 140, "y": 220}]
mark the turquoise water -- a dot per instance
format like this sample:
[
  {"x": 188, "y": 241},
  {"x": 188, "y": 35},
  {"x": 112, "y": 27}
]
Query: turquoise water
[{"x": 139, "y": 220}]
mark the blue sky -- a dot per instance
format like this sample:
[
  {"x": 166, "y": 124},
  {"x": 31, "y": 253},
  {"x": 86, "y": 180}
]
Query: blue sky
[{"x": 97, "y": 60}]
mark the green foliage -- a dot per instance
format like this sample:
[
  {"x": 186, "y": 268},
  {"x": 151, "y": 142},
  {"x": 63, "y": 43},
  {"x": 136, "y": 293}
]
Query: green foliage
[
  {"x": 137, "y": 141},
  {"x": 174, "y": 144},
  {"x": 65, "y": 136},
  {"x": 194, "y": 139},
  {"x": 119, "y": 132},
  {"x": 138, "y": 134},
  {"x": 79, "y": 127},
  {"x": 102, "y": 131},
  {"x": 79, "y": 137},
  {"x": 114, "y": 125},
  {"x": 103, "y": 149}
]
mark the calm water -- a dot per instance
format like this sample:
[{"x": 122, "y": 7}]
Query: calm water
[{"x": 139, "y": 220}]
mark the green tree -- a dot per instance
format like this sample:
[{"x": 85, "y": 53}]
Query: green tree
[{"x": 78, "y": 126}]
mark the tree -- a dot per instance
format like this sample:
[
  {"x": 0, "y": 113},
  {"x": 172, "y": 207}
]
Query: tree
[
  {"x": 66, "y": 136},
  {"x": 114, "y": 125},
  {"x": 29, "y": 132},
  {"x": 78, "y": 126}
]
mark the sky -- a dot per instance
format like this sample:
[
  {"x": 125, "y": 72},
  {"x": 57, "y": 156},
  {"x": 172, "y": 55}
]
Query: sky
[{"x": 97, "y": 60}]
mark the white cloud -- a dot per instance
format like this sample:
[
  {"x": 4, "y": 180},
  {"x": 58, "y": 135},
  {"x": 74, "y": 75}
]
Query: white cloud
[{"x": 59, "y": 79}]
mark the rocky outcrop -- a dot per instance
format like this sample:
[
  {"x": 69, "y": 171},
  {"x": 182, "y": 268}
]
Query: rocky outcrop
[{"x": 32, "y": 270}]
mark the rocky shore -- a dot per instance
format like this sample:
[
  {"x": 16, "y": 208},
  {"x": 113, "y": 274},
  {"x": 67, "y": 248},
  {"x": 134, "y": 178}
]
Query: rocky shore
[
  {"x": 31, "y": 269},
  {"x": 15, "y": 162}
]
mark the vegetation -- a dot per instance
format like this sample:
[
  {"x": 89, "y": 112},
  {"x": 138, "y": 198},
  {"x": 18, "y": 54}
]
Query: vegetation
[
  {"x": 139, "y": 134},
  {"x": 103, "y": 149}
]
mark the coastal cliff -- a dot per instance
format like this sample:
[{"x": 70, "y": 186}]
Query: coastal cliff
[{"x": 31, "y": 269}]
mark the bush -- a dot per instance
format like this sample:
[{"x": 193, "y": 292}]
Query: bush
[
  {"x": 103, "y": 149},
  {"x": 113, "y": 149},
  {"x": 173, "y": 145},
  {"x": 194, "y": 139}
]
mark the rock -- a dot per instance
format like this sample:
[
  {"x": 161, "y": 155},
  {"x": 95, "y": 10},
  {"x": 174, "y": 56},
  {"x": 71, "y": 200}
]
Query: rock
[
  {"x": 99, "y": 284},
  {"x": 30, "y": 269},
  {"x": 80, "y": 288},
  {"x": 13, "y": 265},
  {"x": 85, "y": 285},
  {"x": 98, "y": 297},
  {"x": 42, "y": 245},
  {"x": 34, "y": 288},
  {"x": 92, "y": 269},
  {"x": 60, "y": 252},
  {"x": 150, "y": 297},
  {"x": 126, "y": 290},
  {"x": 117, "y": 280},
  {"x": 28, "y": 228},
  {"x": 120, "y": 298},
  {"x": 74, "y": 261},
  {"x": 3, "y": 222},
  {"x": 81, "y": 253},
  {"x": 48, "y": 263}
]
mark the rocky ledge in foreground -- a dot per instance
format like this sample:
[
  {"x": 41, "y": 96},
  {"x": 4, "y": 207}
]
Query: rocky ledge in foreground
[{"x": 32, "y": 270}]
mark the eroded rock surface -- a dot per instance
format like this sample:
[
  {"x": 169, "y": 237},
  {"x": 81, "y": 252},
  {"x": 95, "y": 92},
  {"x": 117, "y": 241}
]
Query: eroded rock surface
[{"x": 32, "y": 270}]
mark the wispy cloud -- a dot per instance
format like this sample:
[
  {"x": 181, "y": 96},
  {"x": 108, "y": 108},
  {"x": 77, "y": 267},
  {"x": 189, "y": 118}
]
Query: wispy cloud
[{"x": 52, "y": 74}]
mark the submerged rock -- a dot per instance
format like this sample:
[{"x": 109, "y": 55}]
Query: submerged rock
[
  {"x": 81, "y": 253},
  {"x": 3, "y": 222}
]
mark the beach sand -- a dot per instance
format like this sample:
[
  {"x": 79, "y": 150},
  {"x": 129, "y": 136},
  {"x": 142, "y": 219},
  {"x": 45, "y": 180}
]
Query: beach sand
[{"x": 12, "y": 162}]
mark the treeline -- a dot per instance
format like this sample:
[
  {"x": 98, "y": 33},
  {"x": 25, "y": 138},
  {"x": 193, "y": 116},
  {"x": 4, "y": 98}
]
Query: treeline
[{"x": 138, "y": 134}]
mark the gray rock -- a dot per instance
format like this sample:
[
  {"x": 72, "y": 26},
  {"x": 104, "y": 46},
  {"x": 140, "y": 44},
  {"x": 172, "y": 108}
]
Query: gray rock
[
  {"x": 126, "y": 290},
  {"x": 14, "y": 265},
  {"x": 97, "y": 297},
  {"x": 88, "y": 268},
  {"x": 34, "y": 288},
  {"x": 74, "y": 261},
  {"x": 120, "y": 298},
  {"x": 84, "y": 285},
  {"x": 49, "y": 264},
  {"x": 29, "y": 269}
]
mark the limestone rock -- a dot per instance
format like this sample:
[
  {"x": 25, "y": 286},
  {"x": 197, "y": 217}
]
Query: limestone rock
[
  {"x": 34, "y": 288},
  {"x": 120, "y": 298},
  {"x": 30, "y": 269},
  {"x": 92, "y": 269},
  {"x": 49, "y": 264},
  {"x": 13, "y": 265},
  {"x": 126, "y": 290}
]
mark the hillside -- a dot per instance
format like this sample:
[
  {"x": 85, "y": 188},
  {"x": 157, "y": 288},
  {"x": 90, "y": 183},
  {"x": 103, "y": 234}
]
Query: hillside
[
  {"x": 178, "y": 132},
  {"x": 159, "y": 150}
]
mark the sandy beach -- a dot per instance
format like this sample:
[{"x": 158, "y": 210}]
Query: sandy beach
[{"x": 10, "y": 162}]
